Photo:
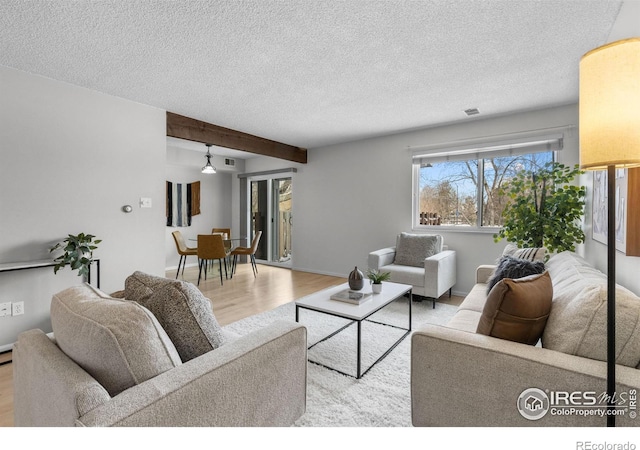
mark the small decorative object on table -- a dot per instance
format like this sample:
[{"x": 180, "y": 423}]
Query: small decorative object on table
[
  {"x": 356, "y": 280},
  {"x": 350, "y": 296},
  {"x": 377, "y": 278}
]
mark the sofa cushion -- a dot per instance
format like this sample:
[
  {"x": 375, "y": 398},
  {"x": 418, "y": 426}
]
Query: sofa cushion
[
  {"x": 119, "y": 343},
  {"x": 405, "y": 274},
  {"x": 182, "y": 310},
  {"x": 465, "y": 320},
  {"x": 528, "y": 253},
  {"x": 517, "y": 310},
  {"x": 475, "y": 299},
  {"x": 577, "y": 324},
  {"x": 512, "y": 267},
  {"x": 413, "y": 249}
]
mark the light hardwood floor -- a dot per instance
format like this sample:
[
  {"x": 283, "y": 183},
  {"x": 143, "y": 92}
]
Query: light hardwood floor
[{"x": 242, "y": 296}]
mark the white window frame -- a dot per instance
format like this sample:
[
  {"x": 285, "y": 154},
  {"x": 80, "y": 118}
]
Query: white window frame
[{"x": 479, "y": 149}]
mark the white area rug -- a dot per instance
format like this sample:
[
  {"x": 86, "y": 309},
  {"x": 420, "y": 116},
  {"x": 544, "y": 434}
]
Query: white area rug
[{"x": 379, "y": 399}]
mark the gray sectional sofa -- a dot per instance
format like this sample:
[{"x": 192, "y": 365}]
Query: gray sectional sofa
[{"x": 462, "y": 378}]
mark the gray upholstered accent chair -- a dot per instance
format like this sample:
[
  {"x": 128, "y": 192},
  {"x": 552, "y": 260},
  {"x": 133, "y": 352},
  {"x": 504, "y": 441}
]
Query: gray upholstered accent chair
[
  {"x": 421, "y": 260},
  {"x": 110, "y": 362}
]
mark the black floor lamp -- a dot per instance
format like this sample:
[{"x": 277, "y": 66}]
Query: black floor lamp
[{"x": 610, "y": 139}]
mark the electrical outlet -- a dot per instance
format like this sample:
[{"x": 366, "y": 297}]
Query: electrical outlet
[
  {"x": 5, "y": 309},
  {"x": 17, "y": 308}
]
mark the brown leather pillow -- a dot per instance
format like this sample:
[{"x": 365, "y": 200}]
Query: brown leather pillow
[{"x": 517, "y": 309}]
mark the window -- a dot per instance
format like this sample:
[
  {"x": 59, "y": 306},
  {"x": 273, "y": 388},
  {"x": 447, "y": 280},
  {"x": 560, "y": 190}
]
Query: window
[{"x": 459, "y": 187}]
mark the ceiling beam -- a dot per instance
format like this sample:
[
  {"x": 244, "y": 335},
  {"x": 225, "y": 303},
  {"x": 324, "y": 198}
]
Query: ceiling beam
[{"x": 195, "y": 130}]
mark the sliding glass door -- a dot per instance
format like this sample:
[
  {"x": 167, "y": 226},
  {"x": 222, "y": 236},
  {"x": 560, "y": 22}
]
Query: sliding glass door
[{"x": 270, "y": 203}]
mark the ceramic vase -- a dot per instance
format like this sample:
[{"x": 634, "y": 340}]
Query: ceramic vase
[
  {"x": 356, "y": 280},
  {"x": 376, "y": 288}
]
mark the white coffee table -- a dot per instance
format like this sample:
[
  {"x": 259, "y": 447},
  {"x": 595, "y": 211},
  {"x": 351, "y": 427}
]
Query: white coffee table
[{"x": 321, "y": 302}]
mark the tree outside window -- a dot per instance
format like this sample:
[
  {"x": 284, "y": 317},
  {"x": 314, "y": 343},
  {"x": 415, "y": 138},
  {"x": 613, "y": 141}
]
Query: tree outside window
[{"x": 449, "y": 193}]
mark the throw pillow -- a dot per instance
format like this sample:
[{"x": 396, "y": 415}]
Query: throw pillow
[
  {"x": 517, "y": 310},
  {"x": 119, "y": 343},
  {"x": 182, "y": 310},
  {"x": 510, "y": 267},
  {"x": 413, "y": 249},
  {"x": 528, "y": 253}
]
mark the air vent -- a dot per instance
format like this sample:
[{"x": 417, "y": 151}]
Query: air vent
[
  {"x": 229, "y": 162},
  {"x": 471, "y": 111}
]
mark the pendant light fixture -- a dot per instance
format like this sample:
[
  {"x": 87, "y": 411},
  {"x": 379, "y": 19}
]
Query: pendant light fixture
[{"x": 208, "y": 168}]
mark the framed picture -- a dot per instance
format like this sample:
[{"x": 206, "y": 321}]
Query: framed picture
[{"x": 627, "y": 205}]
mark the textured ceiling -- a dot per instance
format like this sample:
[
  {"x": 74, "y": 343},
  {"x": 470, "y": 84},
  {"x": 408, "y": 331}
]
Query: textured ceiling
[{"x": 313, "y": 73}]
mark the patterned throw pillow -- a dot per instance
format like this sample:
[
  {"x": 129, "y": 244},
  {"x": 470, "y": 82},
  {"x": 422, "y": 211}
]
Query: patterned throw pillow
[
  {"x": 413, "y": 249},
  {"x": 510, "y": 267},
  {"x": 528, "y": 253},
  {"x": 182, "y": 310}
]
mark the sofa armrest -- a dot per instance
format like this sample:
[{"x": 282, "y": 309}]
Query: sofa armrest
[
  {"x": 466, "y": 379},
  {"x": 484, "y": 272},
  {"x": 382, "y": 257},
  {"x": 49, "y": 389},
  {"x": 439, "y": 273},
  {"x": 258, "y": 380}
]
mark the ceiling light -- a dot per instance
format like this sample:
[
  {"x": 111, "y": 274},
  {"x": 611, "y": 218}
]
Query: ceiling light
[{"x": 208, "y": 168}]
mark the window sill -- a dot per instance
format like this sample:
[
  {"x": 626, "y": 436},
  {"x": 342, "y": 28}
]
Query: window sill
[{"x": 454, "y": 229}]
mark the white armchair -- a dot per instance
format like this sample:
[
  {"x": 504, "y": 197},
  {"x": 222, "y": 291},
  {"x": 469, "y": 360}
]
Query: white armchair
[{"x": 421, "y": 260}]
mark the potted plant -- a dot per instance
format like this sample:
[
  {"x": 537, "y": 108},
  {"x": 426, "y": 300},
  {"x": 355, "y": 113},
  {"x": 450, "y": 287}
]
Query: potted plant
[
  {"x": 78, "y": 253},
  {"x": 544, "y": 209},
  {"x": 377, "y": 278}
]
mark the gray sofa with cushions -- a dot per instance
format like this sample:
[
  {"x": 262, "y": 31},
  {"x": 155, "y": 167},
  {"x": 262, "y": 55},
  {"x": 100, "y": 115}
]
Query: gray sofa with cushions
[
  {"x": 110, "y": 362},
  {"x": 462, "y": 378},
  {"x": 421, "y": 260}
]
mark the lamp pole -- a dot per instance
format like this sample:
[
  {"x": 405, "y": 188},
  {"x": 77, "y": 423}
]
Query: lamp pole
[
  {"x": 611, "y": 295},
  {"x": 610, "y": 139}
]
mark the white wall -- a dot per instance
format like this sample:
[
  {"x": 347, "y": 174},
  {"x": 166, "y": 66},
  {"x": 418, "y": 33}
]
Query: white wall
[
  {"x": 70, "y": 158},
  {"x": 184, "y": 166},
  {"x": 356, "y": 197}
]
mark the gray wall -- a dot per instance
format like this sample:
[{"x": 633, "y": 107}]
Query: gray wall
[
  {"x": 70, "y": 158},
  {"x": 353, "y": 198}
]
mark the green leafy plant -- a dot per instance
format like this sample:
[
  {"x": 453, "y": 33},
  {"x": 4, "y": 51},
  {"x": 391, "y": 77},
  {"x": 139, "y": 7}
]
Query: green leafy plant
[
  {"x": 78, "y": 253},
  {"x": 544, "y": 209},
  {"x": 378, "y": 277}
]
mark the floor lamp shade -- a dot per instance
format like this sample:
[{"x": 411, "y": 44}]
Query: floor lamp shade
[
  {"x": 610, "y": 138},
  {"x": 610, "y": 106}
]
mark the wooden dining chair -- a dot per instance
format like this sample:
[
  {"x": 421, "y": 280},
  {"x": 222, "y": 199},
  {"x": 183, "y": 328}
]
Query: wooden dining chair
[
  {"x": 210, "y": 248},
  {"x": 247, "y": 251},
  {"x": 183, "y": 250}
]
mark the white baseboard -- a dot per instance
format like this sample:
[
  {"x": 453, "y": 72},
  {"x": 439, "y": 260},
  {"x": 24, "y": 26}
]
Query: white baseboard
[
  {"x": 6, "y": 348},
  {"x": 176, "y": 267},
  {"x": 318, "y": 272}
]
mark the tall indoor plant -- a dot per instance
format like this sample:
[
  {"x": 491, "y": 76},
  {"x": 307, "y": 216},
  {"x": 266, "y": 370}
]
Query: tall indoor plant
[
  {"x": 544, "y": 209},
  {"x": 77, "y": 253}
]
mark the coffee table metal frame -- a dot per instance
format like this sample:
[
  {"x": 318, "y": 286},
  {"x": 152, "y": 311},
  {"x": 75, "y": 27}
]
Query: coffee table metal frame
[{"x": 321, "y": 302}]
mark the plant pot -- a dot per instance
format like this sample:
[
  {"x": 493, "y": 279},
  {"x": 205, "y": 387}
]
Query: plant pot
[{"x": 376, "y": 288}]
